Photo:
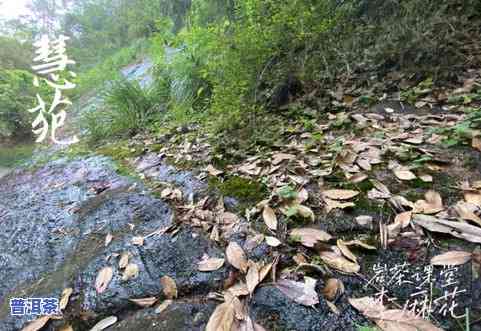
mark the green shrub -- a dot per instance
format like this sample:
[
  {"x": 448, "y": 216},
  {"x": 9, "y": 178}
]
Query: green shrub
[
  {"x": 128, "y": 109},
  {"x": 17, "y": 95}
]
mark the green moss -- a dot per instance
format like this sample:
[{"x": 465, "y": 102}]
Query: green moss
[
  {"x": 246, "y": 191},
  {"x": 120, "y": 151},
  {"x": 370, "y": 206}
]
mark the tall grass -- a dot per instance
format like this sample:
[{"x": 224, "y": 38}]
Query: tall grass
[{"x": 128, "y": 109}]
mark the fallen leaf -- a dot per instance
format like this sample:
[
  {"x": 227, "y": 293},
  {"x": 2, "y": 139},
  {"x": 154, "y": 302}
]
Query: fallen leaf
[
  {"x": 67, "y": 328},
  {"x": 306, "y": 212},
  {"x": 340, "y": 194},
  {"x": 346, "y": 251},
  {"x": 451, "y": 258},
  {"x": 222, "y": 318},
  {"x": 309, "y": 237},
  {"x": 333, "y": 288},
  {"x": 359, "y": 243},
  {"x": 252, "y": 277},
  {"x": 144, "y": 302},
  {"x": 426, "y": 178},
  {"x": 105, "y": 323},
  {"x": 403, "y": 219},
  {"x": 466, "y": 211},
  {"x": 66, "y": 293},
  {"x": 272, "y": 241},
  {"x": 269, "y": 217},
  {"x": 333, "y": 204},
  {"x": 239, "y": 289},
  {"x": 473, "y": 197},
  {"x": 404, "y": 174},
  {"x": 303, "y": 293},
  {"x": 103, "y": 279},
  {"x": 476, "y": 143},
  {"x": 131, "y": 271},
  {"x": 392, "y": 319},
  {"x": 108, "y": 239},
  {"x": 364, "y": 220},
  {"x": 213, "y": 171},
  {"x": 37, "y": 324},
  {"x": 457, "y": 229},
  {"x": 210, "y": 264},
  {"x": 236, "y": 256},
  {"x": 339, "y": 262},
  {"x": 160, "y": 308},
  {"x": 279, "y": 157},
  {"x": 138, "y": 241},
  {"x": 431, "y": 205},
  {"x": 169, "y": 287},
  {"x": 124, "y": 260}
]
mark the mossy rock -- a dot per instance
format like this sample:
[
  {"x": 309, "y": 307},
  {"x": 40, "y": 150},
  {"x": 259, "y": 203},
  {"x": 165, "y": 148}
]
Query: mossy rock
[{"x": 247, "y": 192}]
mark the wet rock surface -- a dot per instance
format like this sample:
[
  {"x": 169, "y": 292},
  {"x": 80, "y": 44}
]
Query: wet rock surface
[
  {"x": 54, "y": 222},
  {"x": 273, "y": 310}
]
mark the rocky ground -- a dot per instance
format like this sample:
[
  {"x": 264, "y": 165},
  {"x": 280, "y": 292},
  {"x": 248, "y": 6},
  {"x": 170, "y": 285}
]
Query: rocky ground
[{"x": 180, "y": 232}]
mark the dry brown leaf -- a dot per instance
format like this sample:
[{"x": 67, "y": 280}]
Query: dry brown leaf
[
  {"x": 213, "y": 171},
  {"x": 103, "y": 279},
  {"x": 270, "y": 218},
  {"x": 364, "y": 220},
  {"x": 124, "y": 260},
  {"x": 426, "y": 178},
  {"x": 239, "y": 289},
  {"x": 272, "y": 241},
  {"x": 108, "y": 239},
  {"x": 431, "y": 205},
  {"x": 236, "y": 256},
  {"x": 457, "y": 229},
  {"x": 105, "y": 323},
  {"x": 279, "y": 157},
  {"x": 340, "y": 194},
  {"x": 252, "y": 277},
  {"x": 144, "y": 302},
  {"x": 131, "y": 271},
  {"x": 264, "y": 271},
  {"x": 37, "y": 324},
  {"x": 466, "y": 211},
  {"x": 210, "y": 264},
  {"x": 138, "y": 241},
  {"x": 392, "y": 319},
  {"x": 333, "y": 204},
  {"x": 303, "y": 293},
  {"x": 359, "y": 177},
  {"x": 339, "y": 262},
  {"x": 66, "y": 293},
  {"x": 403, "y": 219},
  {"x": 306, "y": 212},
  {"x": 333, "y": 288},
  {"x": 309, "y": 237},
  {"x": 476, "y": 143},
  {"x": 169, "y": 287},
  {"x": 404, "y": 174},
  {"x": 160, "y": 308},
  {"x": 67, "y": 328},
  {"x": 359, "y": 243},
  {"x": 345, "y": 250},
  {"x": 222, "y": 318},
  {"x": 451, "y": 258},
  {"x": 473, "y": 197}
]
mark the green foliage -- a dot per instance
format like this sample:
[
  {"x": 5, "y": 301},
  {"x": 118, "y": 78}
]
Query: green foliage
[
  {"x": 11, "y": 156},
  {"x": 17, "y": 95},
  {"x": 128, "y": 110}
]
